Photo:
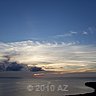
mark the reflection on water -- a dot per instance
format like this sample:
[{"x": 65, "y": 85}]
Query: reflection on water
[{"x": 43, "y": 87}]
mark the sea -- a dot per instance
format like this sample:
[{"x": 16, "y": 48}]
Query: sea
[{"x": 57, "y": 86}]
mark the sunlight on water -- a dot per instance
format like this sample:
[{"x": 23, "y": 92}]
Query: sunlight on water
[{"x": 43, "y": 87}]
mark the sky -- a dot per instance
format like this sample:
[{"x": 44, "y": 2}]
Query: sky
[{"x": 53, "y": 34}]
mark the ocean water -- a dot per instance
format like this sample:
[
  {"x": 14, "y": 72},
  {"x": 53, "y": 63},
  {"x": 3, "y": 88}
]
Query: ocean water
[{"x": 44, "y": 86}]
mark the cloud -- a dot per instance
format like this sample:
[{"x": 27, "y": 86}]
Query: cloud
[
  {"x": 51, "y": 56},
  {"x": 91, "y": 30},
  {"x": 63, "y": 35},
  {"x": 88, "y": 31},
  {"x": 73, "y": 32},
  {"x": 85, "y": 33},
  {"x": 67, "y": 34}
]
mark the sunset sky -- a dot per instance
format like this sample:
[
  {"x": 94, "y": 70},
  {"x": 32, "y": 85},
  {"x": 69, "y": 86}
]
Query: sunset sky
[{"x": 57, "y": 35}]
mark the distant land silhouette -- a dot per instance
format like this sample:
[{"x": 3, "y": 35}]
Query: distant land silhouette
[{"x": 89, "y": 84}]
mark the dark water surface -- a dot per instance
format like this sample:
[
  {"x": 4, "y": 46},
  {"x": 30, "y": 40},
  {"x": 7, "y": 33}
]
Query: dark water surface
[{"x": 44, "y": 86}]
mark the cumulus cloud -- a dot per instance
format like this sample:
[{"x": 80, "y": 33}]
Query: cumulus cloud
[{"x": 51, "y": 56}]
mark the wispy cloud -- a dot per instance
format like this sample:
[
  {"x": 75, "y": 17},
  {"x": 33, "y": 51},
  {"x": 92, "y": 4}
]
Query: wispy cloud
[
  {"x": 51, "y": 56},
  {"x": 91, "y": 30},
  {"x": 85, "y": 33},
  {"x": 73, "y": 32},
  {"x": 67, "y": 34},
  {"x": 88, "y": 31},
  {"x": 62, "y": 35}
]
